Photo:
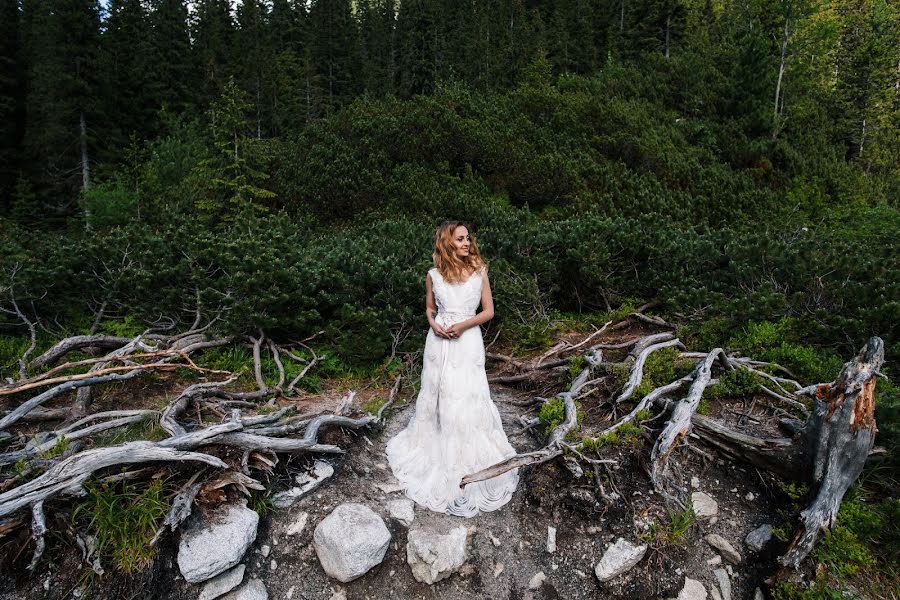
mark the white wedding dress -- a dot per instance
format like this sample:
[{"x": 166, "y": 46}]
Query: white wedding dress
[{"x": 456, "y": 428}]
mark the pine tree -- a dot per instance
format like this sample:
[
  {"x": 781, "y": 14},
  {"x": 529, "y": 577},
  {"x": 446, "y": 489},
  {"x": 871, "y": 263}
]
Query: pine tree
[
  {"x": 214, "y": 36},
  {"x": 126, "y": 58},
  {"x": 173, "y": 72},
  {"x": 334, "y": 52},
  {"x": 418, "y": 26},
  {"x": 62, "y": 52},
  {"x": 254, "y": 65},
  {"x": 12, "y": 101},
  {"x": 377, "y": 24}
]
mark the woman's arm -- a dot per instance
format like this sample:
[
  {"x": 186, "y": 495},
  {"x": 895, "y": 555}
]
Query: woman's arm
[
  {"x": 431, "y": 309},
  {"x": 487, "y": 310}
]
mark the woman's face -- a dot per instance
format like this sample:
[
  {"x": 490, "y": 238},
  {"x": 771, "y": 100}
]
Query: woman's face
[{"x": 461, "y": 241}]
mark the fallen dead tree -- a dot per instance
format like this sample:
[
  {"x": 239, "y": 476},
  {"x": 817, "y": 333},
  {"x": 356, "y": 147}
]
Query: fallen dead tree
[
  {"x": 191, "y": 440},
  {"x": 829, "y": 450}
]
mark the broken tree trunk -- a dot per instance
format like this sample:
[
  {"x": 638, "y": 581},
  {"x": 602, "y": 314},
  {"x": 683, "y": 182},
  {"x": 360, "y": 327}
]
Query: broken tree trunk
[{"x": 840, "y": 433}]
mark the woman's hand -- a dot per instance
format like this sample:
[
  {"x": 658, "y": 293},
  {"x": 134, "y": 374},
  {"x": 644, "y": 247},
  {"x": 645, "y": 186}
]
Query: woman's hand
[
  {"x": 438, "y": 330},
  {"x": 455, "y": 330}
]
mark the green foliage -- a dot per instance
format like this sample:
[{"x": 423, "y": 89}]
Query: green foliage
[
  {"x": 261, "y": 502},
  {"x": 373, "y": 405},
  {"x": 58, "y": 449},
  {"x": 576, "y": 365},
  {"x": 109, "y": 204},
  {"x": 146, "y": 429},
  {"x": 553, "y": 412},
  {"x": 738, "y": 383},
  {"x": 672, "y": 532},
  {"x": 777, "y": 343},
  {"x": 124, "y": 517},
  {"x": 626, "y": 435}
]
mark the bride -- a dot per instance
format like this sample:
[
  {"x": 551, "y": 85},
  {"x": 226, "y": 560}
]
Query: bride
[{"x": 456, "y": 429}]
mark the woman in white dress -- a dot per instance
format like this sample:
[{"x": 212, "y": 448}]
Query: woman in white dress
[{"x": 456, "y": 428}]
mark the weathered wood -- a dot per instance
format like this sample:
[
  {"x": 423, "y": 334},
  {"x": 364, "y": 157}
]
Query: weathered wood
[
  {"x": 840, "y": 434},
  {"x": 78, "y": 342},
  {"x": 637, "y": 369},
  {"x": 679, "y": 423},
  {"x": 68, "y": 475}
]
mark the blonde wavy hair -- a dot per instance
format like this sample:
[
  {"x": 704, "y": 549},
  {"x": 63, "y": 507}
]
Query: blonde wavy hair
[{"x": 451, "y": 267}]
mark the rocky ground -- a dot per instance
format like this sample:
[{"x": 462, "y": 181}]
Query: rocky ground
[{"x": 507, "y": 554}]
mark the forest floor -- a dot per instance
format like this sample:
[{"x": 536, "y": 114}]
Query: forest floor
[{"x": 506, "y": 549}]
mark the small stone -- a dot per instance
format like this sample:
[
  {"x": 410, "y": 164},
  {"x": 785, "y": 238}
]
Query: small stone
[
  {"x": 758, "y": 595},
  {"x": 714, "y": 561},
  {"x": 704, "y": 505},
  {"x": 388, "y": 488},
  {"x": 695, "y": 482},
  {"x": 729, "y": 570},
  {"x": 580, "y": 573},
  {"x": 338, "y": 594},
  {"x": 692, "y": 590},
  {"x": 498, "y": 568},
  {"x": 619, "y": 558},
  {"x": 750, "y": 497},
  {"x": 290, "y": 592},
  {"x": 759, "y": 537},
  {"x": 222, "y": 583},
  {"x": 537, "y": 581},
  {"x": 252, "y": 590},
  {"x": 433, "y": 556},
  {"x": 722, "y": 545},
  {"x": 306, "y": 483},
  {"x": 714, "y": 520},
  {"x": 467, "y": 569},
  {"x": 734, "y": 490},
  {"x": 402, "y": 510},
  {"x": 298, "y": 525},
  {"x": 724, "y": 583},
  {"x": 551, "y": 539},
  {"x": 494, "y": 540},
  {"x": 273, "y": 565},
  {"x": 264, "y": 550}
]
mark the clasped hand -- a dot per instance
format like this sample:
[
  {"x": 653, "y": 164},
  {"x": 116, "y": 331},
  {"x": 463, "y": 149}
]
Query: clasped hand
[{"x": 452, "y": 332}]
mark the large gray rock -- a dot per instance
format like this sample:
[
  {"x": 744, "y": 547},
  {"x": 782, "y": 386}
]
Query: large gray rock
[
  {"x": 704, "y": 505},
  {"x": 722, "y": 545},
  {"x": 692, "y": 590},
  {"x": 350, "y": 540},
  {"x": 222, "y": 583},
  {"x": 759, "y": 537},
  {"x": 433, "y": 556},
  {"x": 252, "y": 590},
  {"x": 215, "y": 543},
  {"x": 619, "y": 558}
]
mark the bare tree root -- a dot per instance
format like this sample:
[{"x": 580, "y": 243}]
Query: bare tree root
[
  {"x": 554, "y": 445},
  {"x": 679, "y": 424}
]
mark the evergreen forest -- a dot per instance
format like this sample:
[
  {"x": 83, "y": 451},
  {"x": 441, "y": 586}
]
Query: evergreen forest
[{"x": 280, "y": 166}]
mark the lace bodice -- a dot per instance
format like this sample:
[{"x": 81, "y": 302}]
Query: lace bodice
[{"x": 456, "y": 299}]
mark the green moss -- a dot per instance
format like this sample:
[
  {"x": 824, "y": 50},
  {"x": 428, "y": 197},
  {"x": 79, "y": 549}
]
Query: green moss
[
  {"x": 734, "y": 384},
  {"x": 553, "y": 412},
  {"x": 374, "y": 405},
  {"x": 576, "y": 365}
]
